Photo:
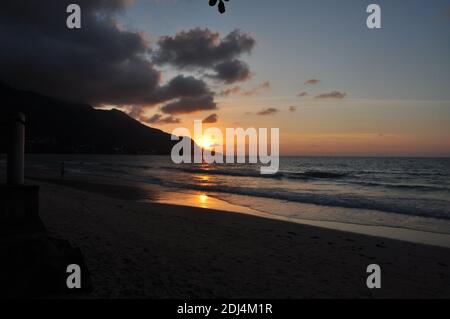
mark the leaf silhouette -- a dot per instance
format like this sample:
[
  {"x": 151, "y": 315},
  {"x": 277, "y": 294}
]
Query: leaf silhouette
[{"x": 221, "y": 7}]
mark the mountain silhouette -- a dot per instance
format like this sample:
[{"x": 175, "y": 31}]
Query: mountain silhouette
[{"x": 57, "y": 126}]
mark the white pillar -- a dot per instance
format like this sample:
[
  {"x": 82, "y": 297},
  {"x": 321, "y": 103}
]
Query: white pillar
[{"x": 16, "y": 151}]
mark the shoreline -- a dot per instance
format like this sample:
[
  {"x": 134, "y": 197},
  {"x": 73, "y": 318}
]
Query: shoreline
[
  {"x": 149, "y": 250},
  {"x": 150, "y": 193}
]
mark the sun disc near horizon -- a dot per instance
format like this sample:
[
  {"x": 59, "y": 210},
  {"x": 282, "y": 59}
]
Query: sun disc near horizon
[{"x": 206, "y": 141}]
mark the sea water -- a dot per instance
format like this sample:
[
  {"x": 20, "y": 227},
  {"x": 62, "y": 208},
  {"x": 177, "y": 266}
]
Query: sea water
[{"x": 407, "y": 193}]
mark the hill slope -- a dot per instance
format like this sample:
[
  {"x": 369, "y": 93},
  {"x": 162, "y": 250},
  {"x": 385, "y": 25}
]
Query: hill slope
[{"x": 56, "y": 126}]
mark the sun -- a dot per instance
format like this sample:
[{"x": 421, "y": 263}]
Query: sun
[{"x": 206, "y": 141}]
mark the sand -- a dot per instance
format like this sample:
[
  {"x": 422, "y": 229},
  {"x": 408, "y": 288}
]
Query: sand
[{"x": 148, "y": 250}]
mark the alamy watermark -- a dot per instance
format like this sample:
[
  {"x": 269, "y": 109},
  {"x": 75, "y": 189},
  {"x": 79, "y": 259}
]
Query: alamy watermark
[
  {"x": 240, "y": 145},
  {"x": 374, "y": 279},
  {"x": 73, "y": 20}
]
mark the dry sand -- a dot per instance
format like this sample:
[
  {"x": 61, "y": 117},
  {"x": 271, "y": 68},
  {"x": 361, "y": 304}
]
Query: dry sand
[{"x": 136, "y": 249}]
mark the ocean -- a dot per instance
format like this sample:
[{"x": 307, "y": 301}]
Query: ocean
[{"x": 409, "y": 193}]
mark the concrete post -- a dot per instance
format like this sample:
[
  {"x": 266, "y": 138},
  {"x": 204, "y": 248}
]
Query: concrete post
[{"x": 16, "y": 151}]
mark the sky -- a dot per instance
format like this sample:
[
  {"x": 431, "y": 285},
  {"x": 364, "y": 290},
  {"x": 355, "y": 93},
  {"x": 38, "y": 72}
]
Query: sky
[
  {"x": 311, "y": 68},
  {"x": 396, "y": 79}
]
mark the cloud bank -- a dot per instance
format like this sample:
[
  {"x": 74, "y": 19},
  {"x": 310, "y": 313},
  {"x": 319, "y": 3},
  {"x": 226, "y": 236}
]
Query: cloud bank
[
  {"x": 202, "y": 48},
  {"x": 268, "y": 111},
  {"x": 237, "y": 90},
  {"x": 312, "y": 82},
  {"x": 104, "y": 64},
  {"x": 213, "y": 118},
  {"x": 332, "y": 95},
  {"x": 159, "y": 119}
]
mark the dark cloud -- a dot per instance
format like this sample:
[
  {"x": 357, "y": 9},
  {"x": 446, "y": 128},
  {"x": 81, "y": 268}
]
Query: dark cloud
[
  {"x": 232, "y": 71},
  {"x": 98, "y": 63},
  {"x": 159, "y": 119},
  {"x": 302, "y": 94},
  {"x": 332, "y": 95},
  {"x": 101, "y": 63},
  {"x": 312, "y": 82},
  {"x": 182, "y": 86},
  {"x": 256, "y": 90},
  {"x": 268, "y": 111},
  {"x": 190, "y": 105},
  {"x": 202, "y": 48},
  {"x": 134, "y": 111},
  {"x": 232, "y": 90},
  {"x": 253, "y": 91},
  {"x": 192, "y": 95},
  {"x": 292, "y": 108},
  {"x": 213, "y": 118}
]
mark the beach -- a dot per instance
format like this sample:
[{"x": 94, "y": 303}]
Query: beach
[
  {"x": 139, "y": 249},
  {"x": 232, "y": 150}
]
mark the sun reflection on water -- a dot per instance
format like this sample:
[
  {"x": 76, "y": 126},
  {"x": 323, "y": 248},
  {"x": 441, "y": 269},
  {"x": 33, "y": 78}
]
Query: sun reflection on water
[
  {"x": 204, "y": 180},
  {"x": 203, "y": 200}
]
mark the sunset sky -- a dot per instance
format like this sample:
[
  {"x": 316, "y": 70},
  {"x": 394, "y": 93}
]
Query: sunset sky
[
  {"x": 396, "y": 79},
  {"x": 311, "y": 68}
]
